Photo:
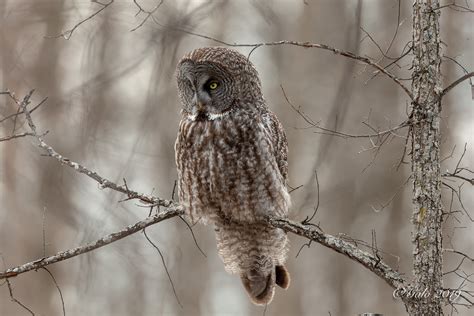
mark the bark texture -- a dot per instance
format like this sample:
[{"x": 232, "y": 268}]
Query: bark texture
[{"x": 427, "y": 213}]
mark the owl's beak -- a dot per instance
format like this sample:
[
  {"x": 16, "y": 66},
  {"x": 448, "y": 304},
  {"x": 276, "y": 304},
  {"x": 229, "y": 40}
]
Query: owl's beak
[
  {"x": 201, "y": 107},
  {"x": 200, "y": 103}
]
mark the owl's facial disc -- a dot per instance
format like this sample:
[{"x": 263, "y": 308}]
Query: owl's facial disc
[{"x": 208, "y": 98}]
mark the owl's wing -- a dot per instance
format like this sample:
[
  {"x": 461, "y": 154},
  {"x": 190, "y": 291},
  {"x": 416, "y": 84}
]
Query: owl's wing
[{"x": 277, "y": 133}]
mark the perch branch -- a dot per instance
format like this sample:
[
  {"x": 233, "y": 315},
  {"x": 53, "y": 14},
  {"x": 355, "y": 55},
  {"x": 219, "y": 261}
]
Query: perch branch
[
  {"x": 368, "y": 260},
  {"x": 172, "y": 209}
]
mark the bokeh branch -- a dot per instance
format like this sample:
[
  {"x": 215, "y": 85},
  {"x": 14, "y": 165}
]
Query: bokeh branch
[
  {"x": 68, "y": 33},
  {"x": 148, "y": 13}
]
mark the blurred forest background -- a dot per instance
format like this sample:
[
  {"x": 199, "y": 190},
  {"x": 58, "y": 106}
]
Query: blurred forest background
[{"x": 112, "y": 106}]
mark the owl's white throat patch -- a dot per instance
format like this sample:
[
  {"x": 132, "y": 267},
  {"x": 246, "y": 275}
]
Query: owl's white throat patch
[{"x": 207, "y": 116}]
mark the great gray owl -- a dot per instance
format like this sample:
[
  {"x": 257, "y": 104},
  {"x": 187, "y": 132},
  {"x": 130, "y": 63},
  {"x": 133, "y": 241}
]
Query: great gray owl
[{"x": 231, "y": 154}]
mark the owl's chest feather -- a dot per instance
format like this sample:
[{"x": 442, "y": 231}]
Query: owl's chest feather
[
  {"x": 218, "y": 146},
  {"x": 228, "y": 166}
]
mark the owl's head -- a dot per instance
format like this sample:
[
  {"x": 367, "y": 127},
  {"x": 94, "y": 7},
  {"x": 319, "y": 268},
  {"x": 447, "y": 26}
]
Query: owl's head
[{"x": 213, "y": 81}]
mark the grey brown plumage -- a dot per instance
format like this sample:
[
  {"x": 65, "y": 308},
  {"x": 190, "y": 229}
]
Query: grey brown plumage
[{"x": 231, "y": 155}]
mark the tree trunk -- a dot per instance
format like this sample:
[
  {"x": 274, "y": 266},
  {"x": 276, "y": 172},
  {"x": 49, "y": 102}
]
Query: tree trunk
[{"x": 426, "y": 140}]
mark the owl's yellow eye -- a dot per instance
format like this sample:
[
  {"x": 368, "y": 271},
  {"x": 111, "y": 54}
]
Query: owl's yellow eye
[{"x": 213, "y": 85}]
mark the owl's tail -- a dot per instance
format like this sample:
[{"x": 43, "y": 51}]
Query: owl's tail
[{"x": 260, "y": 286}]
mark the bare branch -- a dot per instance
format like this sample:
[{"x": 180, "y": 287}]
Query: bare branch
[
  {"x": 382, "y": 206},
  {"x": 368, "y": 260},
  {"x": 7, "y": 138},
  {"x": 459, "y": 253},
  {"x": 384, "y": 54},
  {"x": 10, "y": 290},
  {"x": 365, "y": 60},
  {"x": 307, "y": 220},
  {"x": 103, "y": 182},
  {"x": 455, "y": 83},
  {"x": 68, "y": 33},
  {"x": 172, "y": 209},
  {"x": 327, "y": 131},
  {"x": 348, "y": 249},
  {"x": 457, "y": 170},
  {"x": 455, "y": 7},
  {"x": 20, "y": 112},
  {"x": 194, "y": 237},
  {"x": 164, "y": 265},
  {"x": 148, "y": 13},
  {"x": 170, "y": 212},
  {"x": 58, "y": 288}
]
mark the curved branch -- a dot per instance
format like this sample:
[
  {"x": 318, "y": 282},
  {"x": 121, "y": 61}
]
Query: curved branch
[
  {"x": 103, "y": 182},
  {"x": 363, "y": 59},
  {"x": 368, "y": 260},
  {"x": 68, "y": 33},
  {"x": 455, "y": 83},
  {"x": 173, "y": 211}
]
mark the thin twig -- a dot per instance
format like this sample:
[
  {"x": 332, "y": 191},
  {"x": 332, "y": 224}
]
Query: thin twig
[
  {"x": 10, "y": 290},
  {"x": 170, "y": 212},
  {"x": 363, "y": 59},
  {"x": 295, "y": 188},
  {"x": 327, "y": 131},
  {"x": 164, "y": 265},
  {"x": 455, "y": 83},
  {"x": 44, "y": 231},
  {"x": 316, "y": 208},
  {"x": 68, "y": 33},
  {"x": 148, "y": 13},
  {"x": 455, "y": 7},
  {"x": 57, "y": 287},
  {"x": 308, "y": 245},
  {"x": 20, "y": 112},
  {"x": 457, "y": 170},
  {"x": 194, "y": 237},
  {"x": 7, "y": 138}
]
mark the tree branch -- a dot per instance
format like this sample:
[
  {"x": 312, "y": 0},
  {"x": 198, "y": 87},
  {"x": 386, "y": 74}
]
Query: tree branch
[
  {"x": 170, "y": 212},
  {"x": 10, "y": 137},
  {"x": 455, "y": 83},
  {"x": 363, "y": 59},
  {"x": 68, "y": 33},
  {"x": 369, "y": 261},
  {"x": 103, "y": 182},
  {"x": 148, "y": 13}
]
